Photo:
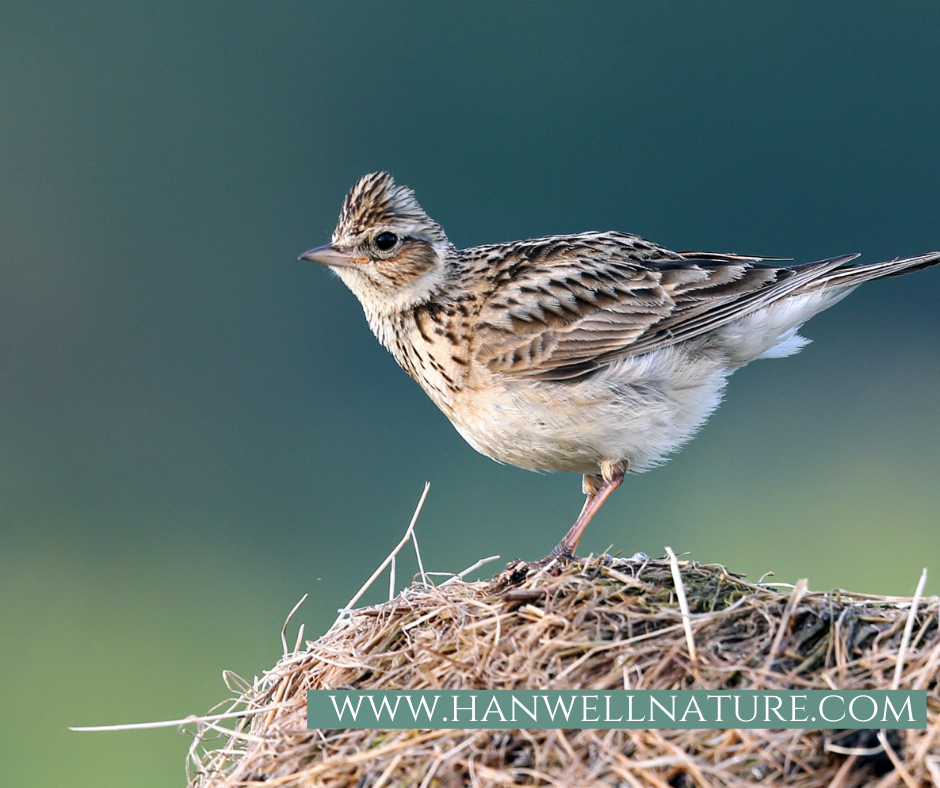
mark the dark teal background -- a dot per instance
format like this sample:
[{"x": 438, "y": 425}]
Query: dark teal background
[{"x": 196, "y": 428}]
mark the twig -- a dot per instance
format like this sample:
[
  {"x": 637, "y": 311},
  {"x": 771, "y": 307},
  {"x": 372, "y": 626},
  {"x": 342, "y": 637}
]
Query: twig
[
  {"x": 424, "y": 577},
  {"x": 683, "y": 604},
  {"x": 893, "y": 756},
  {"x": 469, "y": 569},
  {"x": 287, "y": 621},
  {"x": 908, "y": 629},
  {"x": 863, "y": 752},
  {"x": 300, "y": 639},
  {"x": 368, "y": 584},
  {"x": 798, "y": 591},
  {"x": 142, "y": 726},
  {"x": 847, "y": 765},
  {"x": 933, "y": 766}
]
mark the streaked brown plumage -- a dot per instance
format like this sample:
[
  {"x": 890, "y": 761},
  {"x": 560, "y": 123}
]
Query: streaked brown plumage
[{"x": 598, "y": 353}]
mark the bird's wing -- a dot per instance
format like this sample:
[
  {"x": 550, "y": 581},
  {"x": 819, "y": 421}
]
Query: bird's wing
[{"x": 562, "y": 307}]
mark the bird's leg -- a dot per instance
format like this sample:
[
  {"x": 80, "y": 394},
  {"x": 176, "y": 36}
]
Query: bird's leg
[{"x": 597, "y": 490}]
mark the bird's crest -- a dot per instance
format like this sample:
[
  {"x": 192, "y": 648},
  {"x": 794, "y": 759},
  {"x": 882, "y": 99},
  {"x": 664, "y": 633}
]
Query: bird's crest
[{"x": 376, "y": 200}]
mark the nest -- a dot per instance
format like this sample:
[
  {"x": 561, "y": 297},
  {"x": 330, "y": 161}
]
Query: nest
[{"x": 596, "y": 625}]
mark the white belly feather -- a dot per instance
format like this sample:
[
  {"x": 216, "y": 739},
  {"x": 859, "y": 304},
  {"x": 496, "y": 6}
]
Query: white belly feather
[{"x": 638, "y": 409}]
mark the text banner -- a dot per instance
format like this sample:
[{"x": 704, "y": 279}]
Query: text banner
[{"x": 401, "y": 709}]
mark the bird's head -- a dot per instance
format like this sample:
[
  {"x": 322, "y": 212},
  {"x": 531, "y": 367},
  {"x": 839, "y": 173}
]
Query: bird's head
[{"x": 385, "y": 248}]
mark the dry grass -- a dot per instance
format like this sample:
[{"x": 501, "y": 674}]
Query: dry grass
[{"x": 599, "y": 625}]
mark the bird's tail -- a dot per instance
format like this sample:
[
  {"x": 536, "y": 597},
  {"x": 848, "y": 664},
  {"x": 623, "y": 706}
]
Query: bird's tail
[{"x": 853, "y": 275}]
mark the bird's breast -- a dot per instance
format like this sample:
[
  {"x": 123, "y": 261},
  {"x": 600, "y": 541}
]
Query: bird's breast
[{"x": 430, "y": 349}]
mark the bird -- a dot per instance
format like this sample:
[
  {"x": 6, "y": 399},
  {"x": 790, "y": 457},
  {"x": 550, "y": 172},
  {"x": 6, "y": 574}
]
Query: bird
[{"x": 599, "y": 353}]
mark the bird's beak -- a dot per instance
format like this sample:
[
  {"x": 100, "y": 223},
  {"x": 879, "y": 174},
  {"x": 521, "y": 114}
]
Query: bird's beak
[{"x": 333, "y": 257}]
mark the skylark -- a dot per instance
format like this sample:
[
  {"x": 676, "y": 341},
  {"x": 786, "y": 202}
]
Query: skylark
[{"x": 598, "y": 353}]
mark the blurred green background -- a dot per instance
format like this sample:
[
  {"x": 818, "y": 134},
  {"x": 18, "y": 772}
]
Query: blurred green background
[{"x": 197, "y": 428}]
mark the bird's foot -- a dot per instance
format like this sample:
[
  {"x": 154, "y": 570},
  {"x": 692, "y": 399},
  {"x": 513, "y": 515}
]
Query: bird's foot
[
  {"x": 554, "y": 563},
  {"x": 558, "y": 560}
]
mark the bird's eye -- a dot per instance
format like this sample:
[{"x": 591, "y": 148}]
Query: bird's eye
[{"x": 385, "y": 241}]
